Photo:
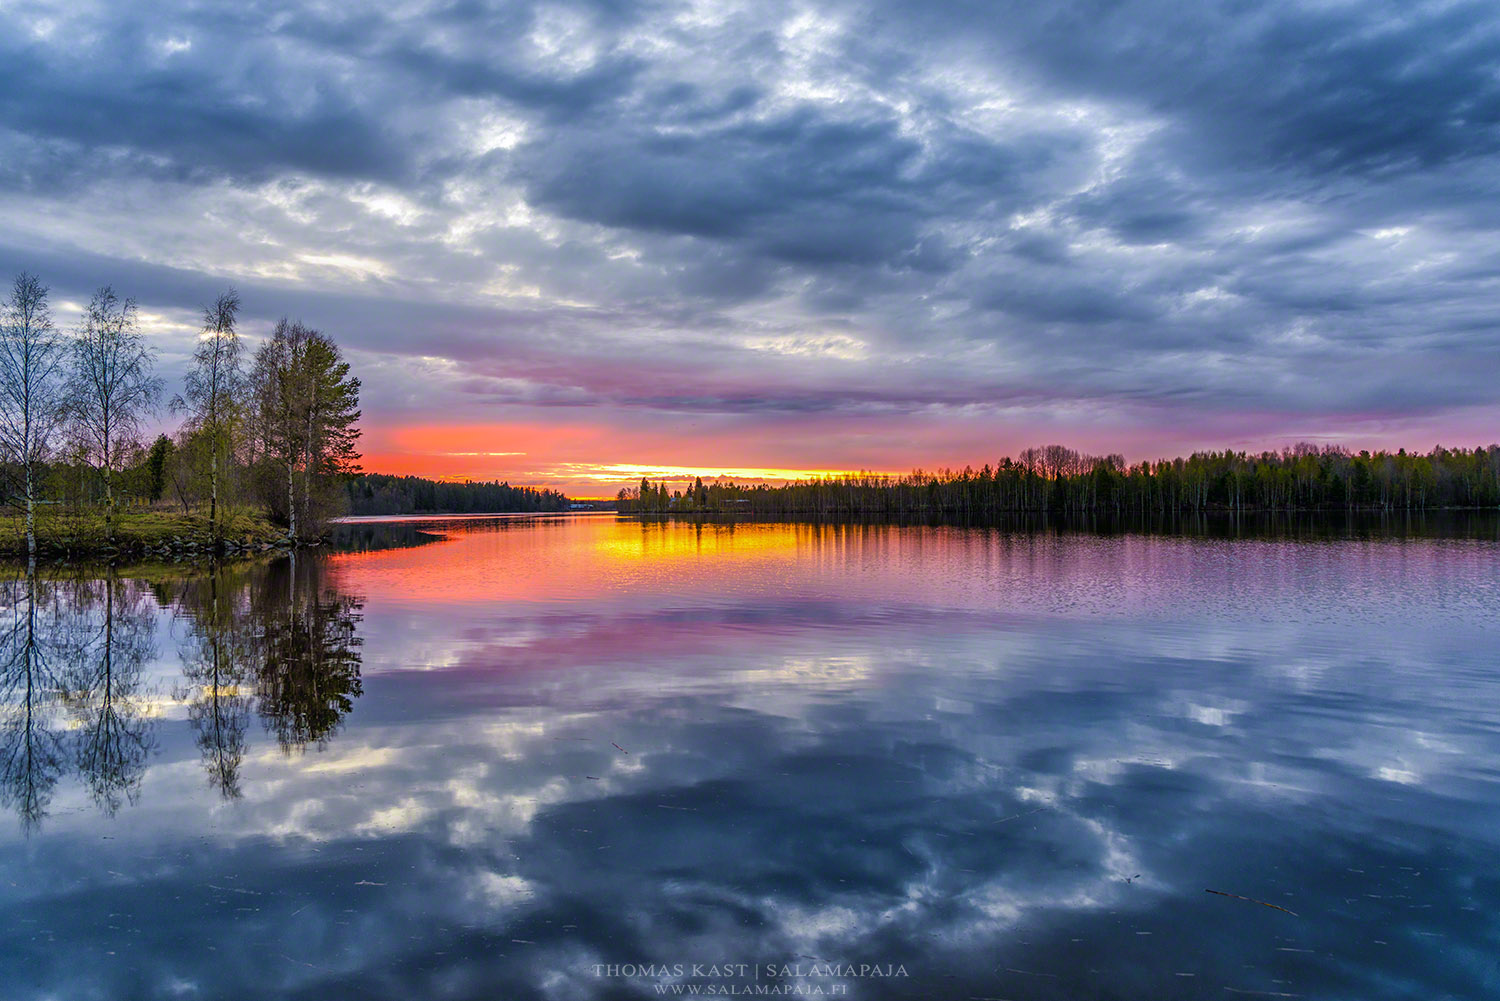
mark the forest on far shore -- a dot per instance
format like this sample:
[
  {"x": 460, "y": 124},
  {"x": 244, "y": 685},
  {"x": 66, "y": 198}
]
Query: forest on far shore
[
  {"x": 382, "y": 493},
  {"x": 1058, "y": 479}
]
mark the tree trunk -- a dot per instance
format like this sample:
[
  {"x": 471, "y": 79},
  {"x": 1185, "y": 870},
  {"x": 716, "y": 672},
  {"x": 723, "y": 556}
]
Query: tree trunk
[
  {"x": 308, "y": 460},
  {"x": 213, "y": 496},
  {"x": 291, "y": 503},
  {"x": 109, "y": 636},
  {"x": 30, "y": 511},
  {"x": 109, "y": 506}
]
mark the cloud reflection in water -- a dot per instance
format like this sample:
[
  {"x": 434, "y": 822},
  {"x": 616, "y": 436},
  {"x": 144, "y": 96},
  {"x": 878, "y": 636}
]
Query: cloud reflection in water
[{"x": 1012, "y": 765}]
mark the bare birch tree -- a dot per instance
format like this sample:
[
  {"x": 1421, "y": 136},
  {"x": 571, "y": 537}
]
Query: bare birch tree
[
  {"x": 112, "y": 387},
  {"x": 214, "y": 394},
  {"x": 278, "y": 393},
  {"x": 31, "y": 386}
]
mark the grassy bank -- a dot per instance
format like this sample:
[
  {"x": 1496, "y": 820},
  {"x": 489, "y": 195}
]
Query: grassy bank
[{"x": 137, "y": 533}]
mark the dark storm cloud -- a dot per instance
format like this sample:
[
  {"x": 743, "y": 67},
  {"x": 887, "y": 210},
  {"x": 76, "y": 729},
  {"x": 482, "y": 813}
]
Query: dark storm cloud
[
  {"x": 109, "y": 104},
  {"x": 1365, "y": 87},
  {"x": 798, "y": 187},
  {"x": 1133, "y": 203}
]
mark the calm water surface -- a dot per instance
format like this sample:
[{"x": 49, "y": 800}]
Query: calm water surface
[{"x": 576, "y": 757}]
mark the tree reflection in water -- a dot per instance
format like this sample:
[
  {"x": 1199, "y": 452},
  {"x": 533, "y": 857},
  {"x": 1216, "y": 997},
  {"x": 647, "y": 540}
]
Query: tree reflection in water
[
  {"x": 32, "y": 755},
  {"x": 308, "y": 676},
  {"x": 108, "y": 628},
  {"x": 278, "y": 640},
  {"x": 218, "y": 663},
  {"x": 71, "y": 656}
]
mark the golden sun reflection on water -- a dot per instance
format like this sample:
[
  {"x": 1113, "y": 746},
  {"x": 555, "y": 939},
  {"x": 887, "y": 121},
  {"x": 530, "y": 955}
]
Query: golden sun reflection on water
[{"x": 548, "y": 558}]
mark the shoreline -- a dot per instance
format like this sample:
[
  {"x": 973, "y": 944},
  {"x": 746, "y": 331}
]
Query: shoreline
[
  {"x": 159, "y": 537},
  {"x": 142, "y": 535}
]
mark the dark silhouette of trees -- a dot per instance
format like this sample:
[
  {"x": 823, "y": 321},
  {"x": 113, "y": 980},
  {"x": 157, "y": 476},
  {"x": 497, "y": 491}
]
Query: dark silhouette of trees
[
  {"x": 378, "y": 493},
  {"x": 1059, "y": 480},
  {"x": 157, "y": 460},
  {"x": 657, "y": 499}
]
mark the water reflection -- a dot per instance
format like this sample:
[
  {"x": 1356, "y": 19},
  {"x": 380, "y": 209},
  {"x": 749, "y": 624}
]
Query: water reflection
[
  {"x": 218, "y": 665},
  {"x": 281, "y": 639},
  {"x": 106, "y": 630},
  {"x": 72, "y": 653},
  {"x": 308, "y": 652},
  {"x": 32, "y": 754},
  {"x": 1012, "y": 763},
  {"x": 276, "y": 640}
]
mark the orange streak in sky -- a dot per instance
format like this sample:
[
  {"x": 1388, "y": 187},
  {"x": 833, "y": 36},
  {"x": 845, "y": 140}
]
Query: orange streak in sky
[{"x": 581, "y": 460}]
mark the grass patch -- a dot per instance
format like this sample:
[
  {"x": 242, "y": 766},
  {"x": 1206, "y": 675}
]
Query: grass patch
[{"x": 136, "y": 530}]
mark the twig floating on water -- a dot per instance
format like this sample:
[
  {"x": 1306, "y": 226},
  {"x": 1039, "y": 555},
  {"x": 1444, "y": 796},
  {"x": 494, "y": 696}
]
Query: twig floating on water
[
  {"x": 1018, "y": 816},
  {"x": 1236, "y": 896},
  {"x": 300, "y": 962},
  {"x": 618, "y": 747}
]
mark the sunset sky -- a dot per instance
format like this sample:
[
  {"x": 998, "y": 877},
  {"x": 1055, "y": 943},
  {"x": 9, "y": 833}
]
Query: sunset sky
[{"x": 574, "y": 243}]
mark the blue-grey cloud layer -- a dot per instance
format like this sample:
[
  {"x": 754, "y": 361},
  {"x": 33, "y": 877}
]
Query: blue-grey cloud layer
[{"x": 1247, "y": 212}]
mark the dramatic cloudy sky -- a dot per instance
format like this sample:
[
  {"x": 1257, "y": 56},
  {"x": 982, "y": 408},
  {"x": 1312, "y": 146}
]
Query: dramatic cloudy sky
[{"x": 571, "y": 240}]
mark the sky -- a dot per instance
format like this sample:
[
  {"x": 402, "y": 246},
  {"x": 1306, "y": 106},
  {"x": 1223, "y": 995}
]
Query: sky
[{"x": 572, "y": 243}]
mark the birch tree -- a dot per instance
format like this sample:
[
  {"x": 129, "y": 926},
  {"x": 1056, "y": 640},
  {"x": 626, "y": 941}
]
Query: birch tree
[
  {"x": 31, "y": 387},
  {"x": 278, "y": 368},
  {"x": 113, "y": 388},
  {"x": 214, "y": 393}
]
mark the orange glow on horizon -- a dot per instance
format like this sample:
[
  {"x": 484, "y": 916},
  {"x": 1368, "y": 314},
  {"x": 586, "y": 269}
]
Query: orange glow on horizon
[
  {"x": 576, "y": 459},
  {"x": 592, "y": 455},
  {"x": 572, "y": 478}
]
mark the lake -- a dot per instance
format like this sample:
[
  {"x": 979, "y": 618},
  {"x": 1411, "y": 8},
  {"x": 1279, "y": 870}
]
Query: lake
[{"x": 590, "y": 757}]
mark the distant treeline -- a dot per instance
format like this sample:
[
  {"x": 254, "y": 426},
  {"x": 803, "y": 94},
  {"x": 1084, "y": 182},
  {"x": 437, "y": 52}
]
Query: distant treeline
[
  {"x": 378, "y": 493},
  {"x": 1058, "y": 479}
]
